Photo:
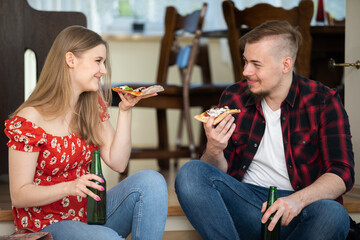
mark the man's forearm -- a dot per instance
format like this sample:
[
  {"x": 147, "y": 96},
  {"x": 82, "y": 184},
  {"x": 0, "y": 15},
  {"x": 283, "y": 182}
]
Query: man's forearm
[
  {"x": 216, "y": 159},
  {"x": 328, "y": 186}
]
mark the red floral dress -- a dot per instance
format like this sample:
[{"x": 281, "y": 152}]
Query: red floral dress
[{"x": 61, "y": 159}]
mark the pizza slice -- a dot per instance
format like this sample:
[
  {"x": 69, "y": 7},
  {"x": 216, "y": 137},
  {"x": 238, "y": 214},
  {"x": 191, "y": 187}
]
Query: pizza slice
[
  {"x": 218, "y": 113},
  {"x": 140, "y": 91}
]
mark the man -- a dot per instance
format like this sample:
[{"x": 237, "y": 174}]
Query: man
[{"x": 292, "y": 133}]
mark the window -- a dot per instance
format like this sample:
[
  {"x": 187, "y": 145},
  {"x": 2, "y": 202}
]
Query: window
[{"x": 114, "y": 16}]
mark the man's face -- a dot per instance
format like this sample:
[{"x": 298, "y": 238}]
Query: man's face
[{"x": 263, "y": 67}]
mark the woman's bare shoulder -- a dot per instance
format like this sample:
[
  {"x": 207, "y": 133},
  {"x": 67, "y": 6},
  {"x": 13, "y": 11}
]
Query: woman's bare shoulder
[{"x": 31, "y": 114}]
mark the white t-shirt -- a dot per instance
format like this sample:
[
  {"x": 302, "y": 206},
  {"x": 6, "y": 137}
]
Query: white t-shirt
[{"x": 268, "y": 167}]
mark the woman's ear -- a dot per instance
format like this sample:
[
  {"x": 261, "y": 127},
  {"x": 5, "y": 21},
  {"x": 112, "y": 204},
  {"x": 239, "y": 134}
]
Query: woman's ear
[
  {"x": 70, "y": 58},
  {"x": 287, "y": 64}
]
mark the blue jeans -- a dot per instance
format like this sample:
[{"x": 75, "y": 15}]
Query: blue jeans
[
  {"x": 221, "y": 207},
  {"x": 137, "y": 205}
]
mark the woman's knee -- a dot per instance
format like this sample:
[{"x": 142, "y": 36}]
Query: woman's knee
[{"x": 151, "y": 181}]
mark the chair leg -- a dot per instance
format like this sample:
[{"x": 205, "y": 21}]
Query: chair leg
[
  {"x": 179, "y": 136},
  {"x": 163, "y": 137}
]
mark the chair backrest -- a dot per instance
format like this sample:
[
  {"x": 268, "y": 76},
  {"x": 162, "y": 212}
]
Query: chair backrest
[
  {"x": 175, "y": 26},
  {"x": 22, "y": 28},
  {"x": 299, "y": 16}
]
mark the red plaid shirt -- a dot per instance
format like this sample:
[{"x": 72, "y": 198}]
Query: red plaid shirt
[{"x": 315, "y": 128}]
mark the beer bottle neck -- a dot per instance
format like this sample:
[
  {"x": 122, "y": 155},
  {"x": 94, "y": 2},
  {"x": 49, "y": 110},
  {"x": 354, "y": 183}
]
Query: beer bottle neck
[
  {"x": 272, "y": 195},
  {"x": 96, "y": 163}
]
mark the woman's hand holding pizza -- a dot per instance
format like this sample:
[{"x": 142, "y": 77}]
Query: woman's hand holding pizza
[{"x": 130, "y": 97}]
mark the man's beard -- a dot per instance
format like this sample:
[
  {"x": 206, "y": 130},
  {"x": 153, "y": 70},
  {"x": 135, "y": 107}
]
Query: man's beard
[{"x": 257, "y": 96}]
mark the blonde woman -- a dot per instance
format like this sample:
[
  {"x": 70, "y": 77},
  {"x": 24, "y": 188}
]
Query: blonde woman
[{"x": 52, "y": 136}]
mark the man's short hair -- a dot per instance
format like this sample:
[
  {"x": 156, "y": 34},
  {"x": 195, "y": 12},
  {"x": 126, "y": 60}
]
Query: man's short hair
[{"x": 275, "y": 28}]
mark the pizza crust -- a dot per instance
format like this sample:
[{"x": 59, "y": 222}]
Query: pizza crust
[
  {"x": 146, "y": 91},
  {"x": 204, "y": 117}
]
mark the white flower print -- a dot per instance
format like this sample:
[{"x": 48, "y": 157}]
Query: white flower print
[
  {"x": 39, "y": 172},
  {"x": 79, "y": 198},
  {"x": 28, "y": 148},
  {"x": 48, "y": 216},
  {"x": 80, "y": 163},
  {"x": 58, "y": 148},
  {"x": 48, "y": 178},
  {"x": 83, "y": 150},
  {"x": 64, "y": 215},
  {"x": 52, "y": 221},
  {"x": 46, "y": 153},
  {"x": 65, "y": 202},
  {"x": 79, "y": 142},
  {"x": 88, "y": 155},
  {"x": 16, "y": 138},
  {"x": 16, "y": 125},
  {"x": 65, "y": 174},
  {"x": 74, "y": 165},
  {"x": 37, "y": 181},
  {"x": 67, "y": 167},
  {"x": 30, "y": 135},
  {"x": 55, "y": 171},
  {"x": 81, "y": 212},
  {"x": 24, "y": 221},
  {"x": 67, "y": 158},
  {"x": 72, "y": 212},
  {"x": 78, "y": 173},
  {"x": 76, "y": 219},
  {"x": 13, "y": 147},
  {"x": 53, "y": 142},
  {"x": 66, "y": 143},
  {"x": 24, "y": 139},
  {"x": 37, "y": 209},
  {"x": 53, "y": 160},
  {"x": 17, "y": 131},
  {"x": 72, "y": 148},
  {"x": 63, "y": 156},
  {"x": 37, "y": 223},
  {"x": 42, "y": 164}
]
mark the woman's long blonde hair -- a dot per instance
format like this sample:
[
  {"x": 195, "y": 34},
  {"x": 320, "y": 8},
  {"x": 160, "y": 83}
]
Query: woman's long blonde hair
[{"x": 52, "y": 94}]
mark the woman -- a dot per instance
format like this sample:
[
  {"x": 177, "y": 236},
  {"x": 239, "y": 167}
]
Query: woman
[{"x": 52, "y": 136}]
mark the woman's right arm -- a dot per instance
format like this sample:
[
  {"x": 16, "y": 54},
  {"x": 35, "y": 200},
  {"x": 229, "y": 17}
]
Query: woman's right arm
[{"x": 24, "y": 193}]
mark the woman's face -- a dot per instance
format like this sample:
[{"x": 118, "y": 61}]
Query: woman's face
[{"x": 87, "y": 69}]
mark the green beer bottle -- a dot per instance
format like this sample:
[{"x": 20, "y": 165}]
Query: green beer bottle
[
  {"x": 275, "y": 233},
  {"x": 96, "y": 210}
]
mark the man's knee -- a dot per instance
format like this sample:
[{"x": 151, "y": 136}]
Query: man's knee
[{"x": 188, "y": 175}]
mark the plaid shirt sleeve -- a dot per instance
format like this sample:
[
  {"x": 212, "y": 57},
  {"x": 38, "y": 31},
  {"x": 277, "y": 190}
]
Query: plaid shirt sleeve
[{"x": 335, "y": 141}]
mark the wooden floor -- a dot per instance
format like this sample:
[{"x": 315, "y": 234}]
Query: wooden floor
[{"x": 351, "y": 199}]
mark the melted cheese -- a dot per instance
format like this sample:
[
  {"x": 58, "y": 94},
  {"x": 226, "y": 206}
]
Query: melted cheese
[{"x": 215, "y": 112}]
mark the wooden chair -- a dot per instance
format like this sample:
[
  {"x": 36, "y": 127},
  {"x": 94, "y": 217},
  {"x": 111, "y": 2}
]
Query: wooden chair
[
  {"x": 183, "y": 96},
  {"x": 22, "y": 28},
  {"x": 299, "y": 16},
  {"x": 332, "y": 21}
]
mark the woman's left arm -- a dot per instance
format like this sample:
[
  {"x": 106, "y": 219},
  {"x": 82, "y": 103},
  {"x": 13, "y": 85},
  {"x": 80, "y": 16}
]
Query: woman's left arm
[{"x": 116, "y": 147}]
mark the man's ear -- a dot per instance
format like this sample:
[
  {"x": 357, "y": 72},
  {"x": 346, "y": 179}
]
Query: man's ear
[
  {"x": 70, "y": 59},
  {"x": 287, "y": 64}
]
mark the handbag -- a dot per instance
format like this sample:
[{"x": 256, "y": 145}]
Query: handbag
[{"x": 28, "y": 234}]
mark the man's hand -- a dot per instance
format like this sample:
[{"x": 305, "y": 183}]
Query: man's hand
[
  {"x": 217, "y": 140},
  {"x": 286, "y": 208}
]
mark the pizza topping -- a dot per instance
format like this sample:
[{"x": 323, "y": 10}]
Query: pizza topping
[
  {"x": 217, "y": 111},
  {"x": 127, "y": 88}
]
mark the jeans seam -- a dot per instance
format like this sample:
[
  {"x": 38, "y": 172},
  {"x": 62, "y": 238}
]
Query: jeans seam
[
  {"x": 234, "y": 190},
  {"x": 123, "y": 199}
]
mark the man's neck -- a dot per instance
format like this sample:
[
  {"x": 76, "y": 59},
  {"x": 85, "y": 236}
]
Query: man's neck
[{"x": 275, "y": 99}]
